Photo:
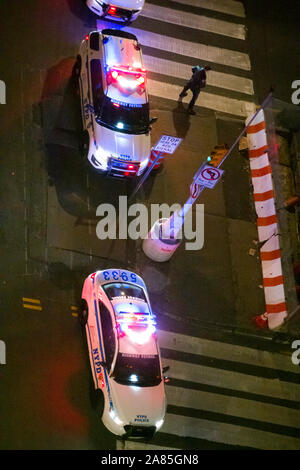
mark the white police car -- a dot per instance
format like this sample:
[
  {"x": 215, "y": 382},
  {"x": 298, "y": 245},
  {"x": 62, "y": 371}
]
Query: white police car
[
  {"x": 124, "y": 354},
  {"x": 114, "y": 103},
  {"x": 120, "y": 10}
]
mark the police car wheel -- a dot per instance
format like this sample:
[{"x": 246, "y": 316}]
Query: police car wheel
[
  {"x": 77, "y": 67},
  {"x": 83, "y": 313},
  {"x": 84, "y": 143}
]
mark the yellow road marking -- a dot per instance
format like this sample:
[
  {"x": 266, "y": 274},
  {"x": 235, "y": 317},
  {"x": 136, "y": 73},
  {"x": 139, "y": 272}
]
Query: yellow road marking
[
  {"x": 34, "y": 301},
  {"x": 75, "y": 315},
  {"x": 74, "y": 308},
  {"x": 32, "y": 307}
]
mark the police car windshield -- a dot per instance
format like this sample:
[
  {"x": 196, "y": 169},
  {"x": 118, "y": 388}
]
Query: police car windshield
[
  {"x": 137, "y": 369},
  {"x": 122, "y": 289},
  {"x": 126, "y": 118}
]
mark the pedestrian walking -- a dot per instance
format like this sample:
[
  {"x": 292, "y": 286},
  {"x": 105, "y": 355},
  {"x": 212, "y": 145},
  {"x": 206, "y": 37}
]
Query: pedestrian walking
[{"x": 196, "y": 82}]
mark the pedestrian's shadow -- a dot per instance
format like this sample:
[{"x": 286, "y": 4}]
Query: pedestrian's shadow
[{"x": 181, "y": 120}]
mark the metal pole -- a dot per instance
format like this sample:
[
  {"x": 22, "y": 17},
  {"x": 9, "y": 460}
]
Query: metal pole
[
  {"x": 145, "y": 175},
  {"x": 262, "y": 106},
  {"x": 170, "y": 226}
]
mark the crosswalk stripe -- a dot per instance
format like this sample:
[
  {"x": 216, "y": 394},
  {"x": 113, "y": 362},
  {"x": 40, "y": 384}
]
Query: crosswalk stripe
[
  {"x": 229, "y": 7},
  {"x": 183, "y": 71},
  {"x": 203, "y": 52},
  {"x": 190, "y": 20},
  {"x": 227, "y": 433},
  {"x": 232, "y": 380},
  {"x": 130, "y": 445},
  {"x": 233, "y": 406},
  {"x": 220, "y": 350},
  {"x": 207, "y": 100}
]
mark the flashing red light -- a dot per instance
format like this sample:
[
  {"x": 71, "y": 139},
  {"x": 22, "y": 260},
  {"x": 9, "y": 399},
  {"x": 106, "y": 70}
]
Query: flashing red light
[
  {"x": 87, "y": 37},
  {"x": 126, "y": 173},
  {"x": 128, "y": 78},
  {"x": 112, "y": 10},
  {"x": 116, "y": 105},
  {"x": 130, "y": 167}
]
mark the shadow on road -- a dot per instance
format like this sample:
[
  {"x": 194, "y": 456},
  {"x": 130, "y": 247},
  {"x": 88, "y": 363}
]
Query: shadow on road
[
  {"x": 79, "y": 9},
  {"x": 79, "y": 188},
  {"x": 181, "y": 120}
]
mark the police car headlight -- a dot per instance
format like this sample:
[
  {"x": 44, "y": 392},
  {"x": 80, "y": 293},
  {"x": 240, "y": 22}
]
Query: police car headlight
[
  {"x": 101, "y": 154},
  {"x": 159, "y": 424},
  {"x": 115, "y": 418}
]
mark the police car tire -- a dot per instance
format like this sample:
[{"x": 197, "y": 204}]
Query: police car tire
[
  {"x": 84, "y": 143},
  {"x": 83, "y": 313},
  {"x": 77, "y": 67}
]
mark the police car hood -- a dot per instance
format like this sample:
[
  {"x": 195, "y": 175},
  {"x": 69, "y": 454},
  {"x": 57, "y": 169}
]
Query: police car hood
[
  {"x": 138, "y": 405},
  {"x": 129, "y": 4},
  {"x": 123, "y": 146}
]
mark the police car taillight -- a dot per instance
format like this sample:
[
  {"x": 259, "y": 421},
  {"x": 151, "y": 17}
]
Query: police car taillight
[
  {"x": 112, "y": 10},
  {"x": 127, "y": 78}
]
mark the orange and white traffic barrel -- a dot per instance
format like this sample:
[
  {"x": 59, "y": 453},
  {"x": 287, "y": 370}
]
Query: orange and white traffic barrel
[
  {"x": 153, "y": 157},
  {"x": 267, "y": 225}
]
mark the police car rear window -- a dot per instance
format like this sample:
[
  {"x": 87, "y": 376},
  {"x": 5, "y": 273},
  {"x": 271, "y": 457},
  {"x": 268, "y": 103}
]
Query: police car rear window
[
  {"x": 118, "y": 33},
  {"x": 122, "y": 289}
]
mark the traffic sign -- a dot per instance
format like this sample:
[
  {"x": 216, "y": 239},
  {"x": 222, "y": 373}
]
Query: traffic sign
[
  {"x": 208, "y": 176},
  {"x": 167, "y": 144},
  {"x": 194, "y": 190}
]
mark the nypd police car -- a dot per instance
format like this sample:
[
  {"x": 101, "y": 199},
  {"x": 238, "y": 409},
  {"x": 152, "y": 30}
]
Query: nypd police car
[
  {"x": 120, "y": 10},
  {"x": 114, "y": 103},
  {"x": 124, "y": 354}
]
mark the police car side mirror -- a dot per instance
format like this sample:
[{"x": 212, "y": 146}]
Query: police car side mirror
[{"x": 153, "y": 120}]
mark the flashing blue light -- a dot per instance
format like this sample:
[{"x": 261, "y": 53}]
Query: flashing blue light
[{"x": 208, "y": 159}]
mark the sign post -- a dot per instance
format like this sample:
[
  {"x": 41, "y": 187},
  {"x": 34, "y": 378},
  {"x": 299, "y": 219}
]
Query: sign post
[
  {"x": 162, "y": 239},
  {"x": 166, "y": 144}
]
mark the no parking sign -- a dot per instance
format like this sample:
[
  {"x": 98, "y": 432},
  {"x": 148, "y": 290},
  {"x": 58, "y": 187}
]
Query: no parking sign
[{"x": 208, "y": 176}]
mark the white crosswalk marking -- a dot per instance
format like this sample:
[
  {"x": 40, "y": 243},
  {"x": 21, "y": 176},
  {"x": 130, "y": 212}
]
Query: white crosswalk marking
[
  {"x": 226, "y": 407},
  {"x": 204, "y": 52},
  {"x": 128, "y": 445},
  {"x": 221, "y": 350},
  {"x": 227, "y": 433},
  {"x": 216, "y": 79},
  {"x": 233, "y": 406},
  {"x": 231, "y": 86},
  {"x": 190, "y": 20},
  {"x": 229, "y": 7},
  {"x": 208, "y": 100},
  {"x": 225, "y": 378}
]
